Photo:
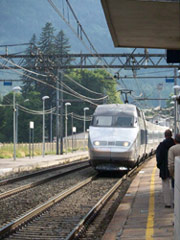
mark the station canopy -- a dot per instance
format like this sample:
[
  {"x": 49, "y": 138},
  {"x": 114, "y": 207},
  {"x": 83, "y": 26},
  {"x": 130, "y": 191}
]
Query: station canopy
[{"x": 144, "y": 23}]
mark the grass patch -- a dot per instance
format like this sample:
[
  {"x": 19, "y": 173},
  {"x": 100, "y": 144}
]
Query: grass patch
[
  {"x": 21, "y": 151},
  {"x": 6, "y": 151}
]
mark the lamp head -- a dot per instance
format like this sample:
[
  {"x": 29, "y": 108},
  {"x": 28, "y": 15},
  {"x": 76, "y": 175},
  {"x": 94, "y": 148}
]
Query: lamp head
[
  {"x": 17, "y": 88},
  {"x": 45, "y": 97},
  {"x": 176, "y": 87},
  {"x": 173, "y": 97},
  {"x": 67, "y": 104}
]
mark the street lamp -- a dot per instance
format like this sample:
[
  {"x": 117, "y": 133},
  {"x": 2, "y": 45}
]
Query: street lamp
[
  {"x": 176, "y": 98},
  {"x": 85, "y": 109},
  {"x": 15, "y": 89},
  {"x": 66, "y": 118},
  {"x": 176, "y": 87},
  {"x": 43, "y": 148}
]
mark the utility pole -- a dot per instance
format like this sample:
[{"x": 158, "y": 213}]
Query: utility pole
[
  {"x": 51, "y": 119},
  {"x": 17, "y": 114},
  {"x": 72, "y": 123},
  {"x": 62, "y": 111},
  {"x": 57, "y": 113}
]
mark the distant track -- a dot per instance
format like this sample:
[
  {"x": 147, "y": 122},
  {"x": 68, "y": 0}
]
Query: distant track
[
  {"x": 70, "y": 168},
  {"x": 40, "y": 172}
]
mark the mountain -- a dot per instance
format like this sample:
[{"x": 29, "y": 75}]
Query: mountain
[{"x": 20, "y": 19}]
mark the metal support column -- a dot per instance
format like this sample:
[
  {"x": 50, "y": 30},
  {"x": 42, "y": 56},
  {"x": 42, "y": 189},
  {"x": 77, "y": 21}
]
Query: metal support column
[
  {"x": 61, "y": 117},
  {"x": 57, "y": 113}
]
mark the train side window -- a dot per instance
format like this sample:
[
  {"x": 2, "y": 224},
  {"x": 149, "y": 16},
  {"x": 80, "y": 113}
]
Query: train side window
[
  {"x": 135, "y": 122},
  {"x": 138, "y": 112},
  {"x": 143, "y": 136},
  {"x": 146, "y": 136}
]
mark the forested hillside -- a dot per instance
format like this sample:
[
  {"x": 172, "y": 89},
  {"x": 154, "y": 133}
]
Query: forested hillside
[{"x": 20, "y": 19}]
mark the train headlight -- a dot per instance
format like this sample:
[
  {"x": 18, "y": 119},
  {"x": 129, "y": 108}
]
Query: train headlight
[
  {"x": 126, "y": 144},
  {"x": 96, "y": 143},
  {"x": 123, "y": 143}
]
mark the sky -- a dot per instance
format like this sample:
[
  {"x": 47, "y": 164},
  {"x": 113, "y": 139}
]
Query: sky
[{"x": 22, "y": 18}]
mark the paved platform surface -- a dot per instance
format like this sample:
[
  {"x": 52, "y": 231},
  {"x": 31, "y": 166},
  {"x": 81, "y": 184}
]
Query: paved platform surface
[
  {"x": 142, "y": 214},
  {"x": 22, "y": 164}
]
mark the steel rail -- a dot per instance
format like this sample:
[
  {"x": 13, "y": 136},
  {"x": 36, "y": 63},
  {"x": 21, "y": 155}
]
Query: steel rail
[
  {"x": 15, "y": 179},
  {"x": 13, "y": 225},
  {"x": 82, "y": 225},
  {"x": 87, "y": 220},
  {"x": 31, "y": 185}
]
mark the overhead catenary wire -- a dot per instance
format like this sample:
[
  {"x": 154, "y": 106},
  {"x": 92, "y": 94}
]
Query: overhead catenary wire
[
  {"x": 78, "y": 94},
  {"x": 80, "y": 85},
  {"x": 64, "y": 75},
  {"x": 38, "y": 80},
  {"x": 35, "y": 73},
  {"x": 48, "y": 111},
  {"x": 78, "y": 22},
  {"x": 105, "y": 65}
]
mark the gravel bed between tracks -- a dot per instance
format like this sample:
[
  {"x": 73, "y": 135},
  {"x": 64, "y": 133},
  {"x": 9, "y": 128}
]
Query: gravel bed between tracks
[
  {"x": 97, "y": 229},
  {"x": 63, "y": 217},
  {"x": 24, "y": 201},
  {"x": 35, "y": 178}
]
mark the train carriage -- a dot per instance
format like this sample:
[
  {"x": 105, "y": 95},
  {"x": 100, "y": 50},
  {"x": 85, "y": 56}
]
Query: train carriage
[{"x": 119, "y": 136}]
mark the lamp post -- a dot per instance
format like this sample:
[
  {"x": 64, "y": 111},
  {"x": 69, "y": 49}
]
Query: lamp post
[
  {"x": 43, "y": 148},
  {"x": 15, "y": 89},
  {"x": 176, "y": 107},
  {"x": 85, "y": 109},
  {"x": 66, "y": 119}
]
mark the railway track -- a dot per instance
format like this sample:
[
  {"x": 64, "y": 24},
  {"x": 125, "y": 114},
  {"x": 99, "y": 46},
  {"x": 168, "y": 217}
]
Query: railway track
[
  {"x": 15, "y": 205},
  {"x": 70, "y": 207},
  {"x": 24, "y": 176},
  {"x": 31, "y": 180},
  {"x": 66, "y": 215}
]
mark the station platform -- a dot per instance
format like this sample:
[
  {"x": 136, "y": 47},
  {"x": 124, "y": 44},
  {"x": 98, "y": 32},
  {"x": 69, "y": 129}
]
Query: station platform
[
  {"x": 8, "y": 166},
  {"x": 142, "y": 214}
]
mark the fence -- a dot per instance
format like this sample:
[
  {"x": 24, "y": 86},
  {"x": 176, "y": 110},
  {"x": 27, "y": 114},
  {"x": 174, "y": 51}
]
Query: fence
[{"x": 50, "y": 147}]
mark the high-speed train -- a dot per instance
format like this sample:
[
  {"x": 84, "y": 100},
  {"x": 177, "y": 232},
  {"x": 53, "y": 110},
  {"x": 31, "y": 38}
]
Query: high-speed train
[{"x": 119, "y": 136}]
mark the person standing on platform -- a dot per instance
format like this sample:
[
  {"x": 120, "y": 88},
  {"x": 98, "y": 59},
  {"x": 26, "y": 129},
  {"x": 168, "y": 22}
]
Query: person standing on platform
[
  {"x": 162, "y": 164},
  {"x": 173, "y": 152}
]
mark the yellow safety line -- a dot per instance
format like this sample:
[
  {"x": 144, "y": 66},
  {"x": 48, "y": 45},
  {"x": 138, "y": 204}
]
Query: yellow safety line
[{"x": 150, "y": 220}]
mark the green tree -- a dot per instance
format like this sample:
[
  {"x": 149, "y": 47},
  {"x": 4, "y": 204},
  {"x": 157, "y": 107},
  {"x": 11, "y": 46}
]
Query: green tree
[
  {"x": 62, "y": 46},
  {"x": 28, "y": 83},
  {"x": 93, "y": 82},
  {"x": 97, "y": 81},
  {"x": 25, "y": 116},
  {"x": 48, "y": 46}
]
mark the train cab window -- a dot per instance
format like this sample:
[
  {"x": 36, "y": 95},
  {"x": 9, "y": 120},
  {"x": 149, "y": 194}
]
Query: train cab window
[
  {"x": 124, "y": 121},
  {"x": 102, "y": 121}
]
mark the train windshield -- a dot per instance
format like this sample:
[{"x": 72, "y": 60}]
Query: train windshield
[
  {"x": 105, "y": 121},
  {"x": 124, "y": 121}
]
